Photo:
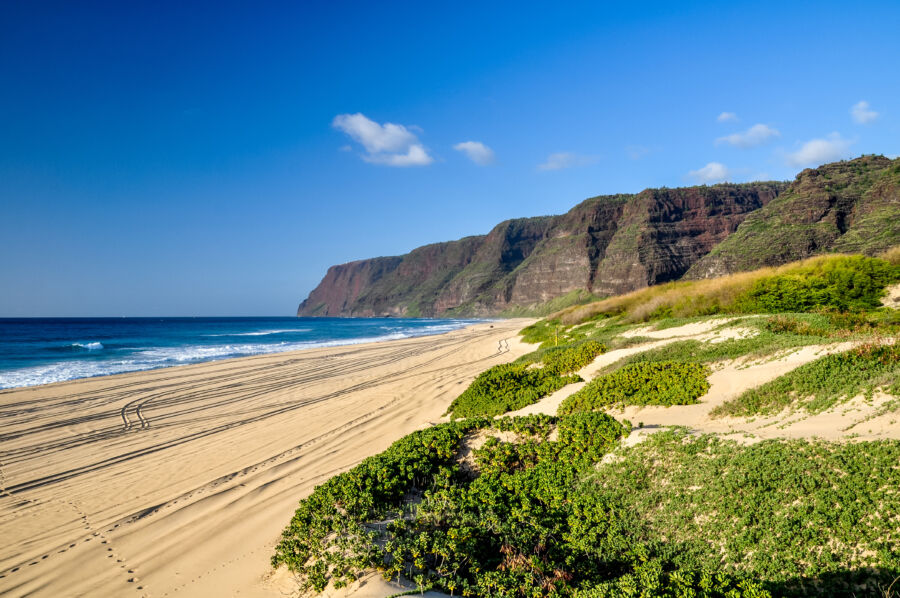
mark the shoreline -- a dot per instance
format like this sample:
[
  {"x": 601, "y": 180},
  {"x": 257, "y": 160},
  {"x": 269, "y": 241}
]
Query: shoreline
[
  {"x": 179, "y": 480},
  {"x": 325, "y": 344}
]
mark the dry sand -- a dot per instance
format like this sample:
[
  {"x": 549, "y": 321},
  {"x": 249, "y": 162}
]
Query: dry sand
[
  {"x": 858, "y": 419},
  {"x": 178, "y": 482}
]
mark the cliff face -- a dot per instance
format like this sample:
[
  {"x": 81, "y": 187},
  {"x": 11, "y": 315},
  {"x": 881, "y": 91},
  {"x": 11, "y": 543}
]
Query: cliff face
[
  {"x": 605, "y": 245},
  {"x": 614, "y": 244},
  {"x": 851, "y": 207}
]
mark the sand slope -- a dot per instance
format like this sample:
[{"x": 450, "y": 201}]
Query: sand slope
[
  {"x": 856, "y": 419},
  {"x": 178, "y": 482}
]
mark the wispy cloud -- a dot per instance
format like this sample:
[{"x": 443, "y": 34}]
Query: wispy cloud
[
  {"x": 476, "y": 151},
  {"x": 714, "y": 172},
  {"x": 388, "y": 144},
  {"x": 726, "y": 117},
  {"x": 818, "y": 151},
  {"x": 752, "y": 137},
  {"x": 561, "y": 160},
  {"x": 862, "y": 113}
]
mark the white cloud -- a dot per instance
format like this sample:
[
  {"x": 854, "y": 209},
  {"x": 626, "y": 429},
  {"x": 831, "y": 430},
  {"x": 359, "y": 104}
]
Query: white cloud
[
  {"x": 755, "y": 135},
  {"x": 714, "y": 172},
  {"x": 561, "y": 160},
  {"x": 389, "y": 144},
  {"x": 727, "y": 117},
  {"x": 416, "y": 155},
  {"x": 862, "y": 113},
  {"x": 476, "y": 151},
  {"x": 818, "y": 151}
]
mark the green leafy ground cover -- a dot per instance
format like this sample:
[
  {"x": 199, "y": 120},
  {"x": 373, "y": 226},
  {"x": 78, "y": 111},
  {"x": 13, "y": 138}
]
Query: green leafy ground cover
[
  {"x": 803, "y": 518},
  {"x": 776, "y": 333},
  {"x": 823, "y": 383},
  {"x": 566, "y": 360},
  {"x": 675, "y": 516},
  {"x": 506, "y": 387},
  {"x": 649, "y": 383}
]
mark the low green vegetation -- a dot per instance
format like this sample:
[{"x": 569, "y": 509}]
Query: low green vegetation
[
  {"x": 326, "y": 539},
  {"x": 802, "y": 518},
  {"x": 506, "y": 387},
  {"x": 675, "y": 516},
  {"x": 840, "y": 282},
  {"x": 566, "y": 360},
  {"x": 823, "y": 383},
  {"x": 416, "y": 511},
  {"x": 650, "y": 383},
  {"x": 537, "y": 506}
]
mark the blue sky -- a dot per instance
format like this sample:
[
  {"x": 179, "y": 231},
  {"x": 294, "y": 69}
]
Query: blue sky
[{"x": 215, "y": 159}]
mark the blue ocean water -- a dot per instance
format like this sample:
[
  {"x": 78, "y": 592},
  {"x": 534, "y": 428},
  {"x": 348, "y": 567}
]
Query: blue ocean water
[{"x": 43, "y": 350}]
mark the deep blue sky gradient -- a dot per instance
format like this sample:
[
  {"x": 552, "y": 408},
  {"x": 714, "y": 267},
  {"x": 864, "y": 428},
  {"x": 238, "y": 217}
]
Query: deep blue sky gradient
[{"x": 179, "y": 158}]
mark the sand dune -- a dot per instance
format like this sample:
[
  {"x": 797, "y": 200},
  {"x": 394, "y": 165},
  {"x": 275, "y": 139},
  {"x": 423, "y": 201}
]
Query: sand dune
[
  {"x": 855, "y": 419},
  {"x": 178, "y": 482}
]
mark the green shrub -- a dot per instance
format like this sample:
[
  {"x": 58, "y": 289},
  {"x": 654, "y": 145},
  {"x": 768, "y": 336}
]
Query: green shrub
[
  {"x": 676, "y": 516},
  {"x": 473, "y": 537},
  {"x": 649, "y": 383},
  {"x": 840, "y": 281},
  {"x": 650, "y": 580},
  {"x": 800, "y": 518},
  {"x": 326, "y": 539},
  {"x": 572, "y": 359},
  {"x": 823, "y": 383},
  {"x": 851, "y": 282},
  {"x": 506, "y": 387}
]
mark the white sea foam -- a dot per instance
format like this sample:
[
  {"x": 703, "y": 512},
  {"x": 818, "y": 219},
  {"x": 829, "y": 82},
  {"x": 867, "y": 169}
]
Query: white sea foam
[
  {"x": 147, "y": 359},
  {"x": 263, "y": 332},
  {"x": 67, "y": 370},
  {"x": 92, "y": 346}
]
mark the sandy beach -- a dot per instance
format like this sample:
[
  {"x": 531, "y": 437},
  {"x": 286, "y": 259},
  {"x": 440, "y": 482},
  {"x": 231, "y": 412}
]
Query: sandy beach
[{"x": 178, "y": 481}]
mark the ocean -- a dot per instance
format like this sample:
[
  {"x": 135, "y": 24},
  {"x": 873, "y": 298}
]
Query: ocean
[{"x": 42, "y": 350}]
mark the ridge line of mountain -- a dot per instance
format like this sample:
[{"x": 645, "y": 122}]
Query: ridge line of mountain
[{"x": 613, "y": 244}]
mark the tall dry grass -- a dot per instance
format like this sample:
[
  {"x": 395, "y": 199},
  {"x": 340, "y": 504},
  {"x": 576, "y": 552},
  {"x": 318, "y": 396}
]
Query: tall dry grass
[
  {"x": 892, "y": 255},
  {"x": 691, "y": 298}
]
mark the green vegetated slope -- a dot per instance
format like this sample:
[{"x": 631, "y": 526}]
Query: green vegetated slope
[
  {"x": 537, "y": 506},
  {"x": 511, "y": 386},
  {"x": 654, "y": 383},
  {"x": 677, "y": 515},
  {"x": 847, "y": 206},
  {"x": 824, "y": 383},
  {"x": 841, "y": 282},
  {"x": 802, "y": 518},
  {"x": 516, "y": 522}
]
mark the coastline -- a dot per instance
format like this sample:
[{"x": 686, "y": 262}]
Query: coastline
[{"x": 179, "y": 480}]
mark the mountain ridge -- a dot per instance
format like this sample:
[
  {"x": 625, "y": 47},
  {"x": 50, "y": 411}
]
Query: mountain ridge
[{"x": 613, "y": 244}]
